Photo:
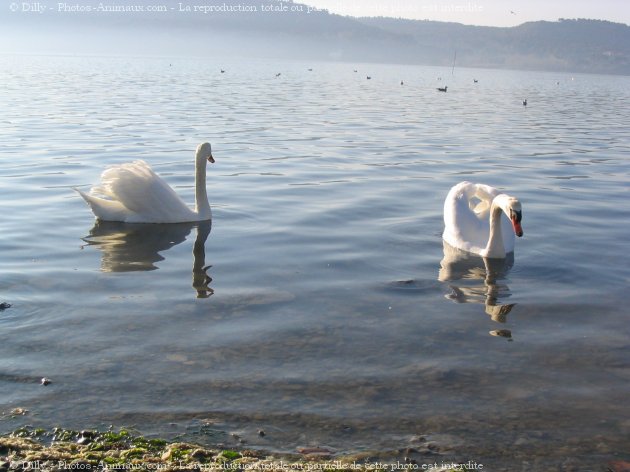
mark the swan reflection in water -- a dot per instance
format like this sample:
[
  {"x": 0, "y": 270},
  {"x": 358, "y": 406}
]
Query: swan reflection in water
[
  {"x": 127, "y": 247},
  {"x": 476, "y": 279}
]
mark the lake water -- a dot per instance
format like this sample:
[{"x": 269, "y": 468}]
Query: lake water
[{"x": 324, "y": 318}]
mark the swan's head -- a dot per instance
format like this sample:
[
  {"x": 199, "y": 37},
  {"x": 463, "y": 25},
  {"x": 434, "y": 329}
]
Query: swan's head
[
  {"x": 514, "y": 212},
  {"x": 512, "y": 208},
  {"x": 204, "y": 151}
]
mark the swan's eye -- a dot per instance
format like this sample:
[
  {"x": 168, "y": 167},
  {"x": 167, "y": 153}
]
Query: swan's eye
[{"x": 516, "y": 216}]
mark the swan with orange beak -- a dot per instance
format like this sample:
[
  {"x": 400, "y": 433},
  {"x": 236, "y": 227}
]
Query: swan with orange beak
[{"x": 473, "y": 220}]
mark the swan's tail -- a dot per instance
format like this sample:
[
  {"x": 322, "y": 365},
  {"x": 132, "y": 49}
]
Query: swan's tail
[{"x": 106, "y": 210}]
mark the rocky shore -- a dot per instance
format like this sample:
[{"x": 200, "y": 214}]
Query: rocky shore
[
  {"x": 57, "y": 450},
  {"x": 64, "y": 450}
]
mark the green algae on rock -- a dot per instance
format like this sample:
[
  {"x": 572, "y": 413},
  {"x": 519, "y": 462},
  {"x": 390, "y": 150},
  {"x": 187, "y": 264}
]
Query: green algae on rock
[{"x": 29, "y": 449}]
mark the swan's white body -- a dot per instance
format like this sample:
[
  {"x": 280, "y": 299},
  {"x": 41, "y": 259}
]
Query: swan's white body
[
  {"x": 133, "y": 193},
  {"x": 474, "y": 223}
]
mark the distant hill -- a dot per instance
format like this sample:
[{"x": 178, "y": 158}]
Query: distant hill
[
  {"x": 567, "y": 45},
  {"x": 293, "y": 30}
]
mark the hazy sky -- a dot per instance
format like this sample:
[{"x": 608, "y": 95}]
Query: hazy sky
[{"x": 482, "y": 12}]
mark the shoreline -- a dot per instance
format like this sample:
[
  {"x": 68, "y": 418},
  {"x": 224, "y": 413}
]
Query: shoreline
[
  {"x": 34, "y": 449},
  {"x": 58, "y": 450}
]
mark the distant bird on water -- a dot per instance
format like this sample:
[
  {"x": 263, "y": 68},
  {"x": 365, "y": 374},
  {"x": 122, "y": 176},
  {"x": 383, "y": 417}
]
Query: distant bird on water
[
  {"x": 369, "y": 77},
  {"x": 222, "y": 71},
  {"x": 278, "y": 74},
  {"x": 525, "y": 102},
  {"x": 442, "y": 89},
  {"x": 355, "y": 70},
  {"x": 475, "y": 81},
  {"x": 402, "y": 83}
]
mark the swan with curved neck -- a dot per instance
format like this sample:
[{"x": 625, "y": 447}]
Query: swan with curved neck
[
  {"x": 133, "y": 193},
  {"x": 474, "y": 223}
]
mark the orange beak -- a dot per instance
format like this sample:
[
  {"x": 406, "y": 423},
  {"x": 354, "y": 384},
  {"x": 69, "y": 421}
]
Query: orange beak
[{"x": 518, "y": 229}]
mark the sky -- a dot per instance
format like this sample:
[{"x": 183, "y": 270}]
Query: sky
[{"x": 482, "y": 12}]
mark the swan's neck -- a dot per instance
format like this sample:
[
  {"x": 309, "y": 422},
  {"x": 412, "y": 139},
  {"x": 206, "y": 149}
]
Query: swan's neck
[
  {"x": 495, "y": 246},
  {"x": 202, "y": 207}
]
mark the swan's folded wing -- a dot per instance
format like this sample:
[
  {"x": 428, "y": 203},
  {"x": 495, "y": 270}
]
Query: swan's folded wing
[
  {"x": 141, "y": 190},
  {"x": 107, "y": 210},
  {"x": 463, "y": 228},
  {"x": 485, "y": 193}
]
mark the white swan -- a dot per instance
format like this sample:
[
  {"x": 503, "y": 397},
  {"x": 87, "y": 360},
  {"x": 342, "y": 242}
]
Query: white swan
[
  {"x": 133, "y": 193},
  {"x": 473, "y": 223}
]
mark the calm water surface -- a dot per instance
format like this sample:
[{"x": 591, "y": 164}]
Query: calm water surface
[{"x": 325, "y": 317}]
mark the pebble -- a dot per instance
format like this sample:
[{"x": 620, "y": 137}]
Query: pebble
[
  {"x": 504, "y": 333},
  {"x": 200, "y": 455},
  {"x": 86, "y": 437},
  {"x": 313, "y": 450}
]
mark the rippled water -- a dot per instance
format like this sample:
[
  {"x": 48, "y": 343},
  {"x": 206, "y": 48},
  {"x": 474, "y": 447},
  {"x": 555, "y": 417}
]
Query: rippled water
[{"x": 325, "y": 317}]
